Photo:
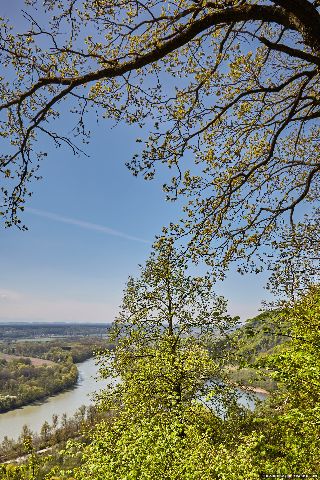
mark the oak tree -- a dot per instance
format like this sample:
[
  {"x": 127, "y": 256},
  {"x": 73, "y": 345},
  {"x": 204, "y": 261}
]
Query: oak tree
[
  {"x": 165, "y": 334},
  {"x": 231, "y": 89},
  {"x": 161, "y": 426}
]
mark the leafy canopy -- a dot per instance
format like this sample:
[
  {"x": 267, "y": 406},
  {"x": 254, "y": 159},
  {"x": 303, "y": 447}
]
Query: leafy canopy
[
  {"x": 231, "y": 89},
  {"x": 168, "y": 321},
  {"x": 161, "y": 428},
  {"x": 289, "y": 422}
]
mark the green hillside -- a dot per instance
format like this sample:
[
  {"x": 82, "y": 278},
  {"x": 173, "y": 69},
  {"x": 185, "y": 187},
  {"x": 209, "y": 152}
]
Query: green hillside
[
  {"x": 261, "y": 334},
  {"x": 258, "y": 337}
]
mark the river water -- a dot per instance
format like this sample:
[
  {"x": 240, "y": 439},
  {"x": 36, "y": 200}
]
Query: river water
[{"x": 68, "y": 402}]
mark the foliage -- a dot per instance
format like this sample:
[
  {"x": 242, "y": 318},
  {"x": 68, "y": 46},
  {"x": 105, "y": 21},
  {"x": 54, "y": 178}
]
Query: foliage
[
  {"x": 53, "y": 435},
  {"x": 256, "y": 338},
  {"x": 59, "y": 350},
  {"x": 154, "y": 434},
  {"x": 151, "y": 451},
  {"x": 230, "y": 88},
  {"x": 153, "y": 437},
  {"x": 286, "y": 427},
  {"x": 260, "y": 335},
  {"x": 166, "y": 372},
  {"x": 291, "y": 417},
  {"x": 167, "y": 322},
  {"x": 249, "y": 377},
  {"x": 296, "y": 364},
  {"x": 22, "y": 383}
]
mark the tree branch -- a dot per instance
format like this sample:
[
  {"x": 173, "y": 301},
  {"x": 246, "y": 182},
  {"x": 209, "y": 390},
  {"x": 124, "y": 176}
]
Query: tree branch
[{"x": 229, "y": 15}]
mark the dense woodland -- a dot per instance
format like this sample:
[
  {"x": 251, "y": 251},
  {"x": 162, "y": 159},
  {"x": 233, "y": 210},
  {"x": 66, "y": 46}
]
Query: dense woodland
[
  {"x": 22, "y": 383},
  {"x": 175, "y": 413},
  {"x": 256, "y": 339},
  {"x": 14, "y": 331},
  {"x": 24, "y": 380},
  {"x": 60, "y": 350}
]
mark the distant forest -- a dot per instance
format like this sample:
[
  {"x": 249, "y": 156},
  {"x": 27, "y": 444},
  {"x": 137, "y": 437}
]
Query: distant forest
[
  {"x": 33, "y": 370},
  {"x": 17, "y": 330}
]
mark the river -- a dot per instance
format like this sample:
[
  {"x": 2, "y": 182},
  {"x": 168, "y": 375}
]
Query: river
[{"x": 68, "y": 402}]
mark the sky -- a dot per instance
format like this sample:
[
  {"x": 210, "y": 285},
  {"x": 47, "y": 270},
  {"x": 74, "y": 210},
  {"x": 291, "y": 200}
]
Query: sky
[{"x": 90, "y": 223}]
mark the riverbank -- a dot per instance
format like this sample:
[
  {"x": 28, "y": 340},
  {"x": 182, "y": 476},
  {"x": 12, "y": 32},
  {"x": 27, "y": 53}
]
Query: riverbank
[
  {"x": 52, "y": 436},
  {"x": 34, "y": 371},
  {"x": 247, "y": 379},
  {"x": 65, "y": 403},
  {"x": 24, "y": 383},
  {"x": 249, "y": 389}
]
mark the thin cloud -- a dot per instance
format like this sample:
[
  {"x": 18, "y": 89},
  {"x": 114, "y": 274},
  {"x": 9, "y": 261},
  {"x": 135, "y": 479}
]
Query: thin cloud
[
  {"x": 86, "y": 225},
  {"x": 8, "y": 295}
]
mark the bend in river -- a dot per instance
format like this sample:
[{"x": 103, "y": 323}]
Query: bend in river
[{"x": 68, "y": 402}]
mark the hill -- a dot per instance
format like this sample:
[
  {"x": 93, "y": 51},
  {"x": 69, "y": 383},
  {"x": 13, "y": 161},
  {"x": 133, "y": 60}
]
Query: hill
[{"x": 259, "y": 336}]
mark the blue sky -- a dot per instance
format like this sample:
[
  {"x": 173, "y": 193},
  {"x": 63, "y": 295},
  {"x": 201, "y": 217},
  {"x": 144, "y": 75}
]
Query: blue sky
[{"x": 90, "y": 224}]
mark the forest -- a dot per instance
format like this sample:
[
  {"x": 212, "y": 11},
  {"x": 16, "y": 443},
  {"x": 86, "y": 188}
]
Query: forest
[
  {"x": 52, "y": 436},
  {"x": 33, "y": 370},
  {"x": 175, "y": 412},
  {"x": 22, "y": 383},
  {"x": 225, "y": 96},
  {"x": 13, "y": 331},
  {"x": 59, "y": 350}
]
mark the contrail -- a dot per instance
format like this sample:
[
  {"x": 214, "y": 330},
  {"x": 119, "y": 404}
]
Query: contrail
[{"x": 87, "y": 225}]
